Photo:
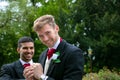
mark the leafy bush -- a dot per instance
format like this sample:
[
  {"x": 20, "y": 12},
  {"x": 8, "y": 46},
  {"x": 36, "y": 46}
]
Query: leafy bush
[
  {"x": 91, "y": 76},
  {"x": 103, "y": 74}
]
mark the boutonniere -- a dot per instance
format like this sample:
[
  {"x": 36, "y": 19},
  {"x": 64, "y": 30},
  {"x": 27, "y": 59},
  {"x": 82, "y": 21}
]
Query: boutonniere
[{"x": 55, "y": 57}]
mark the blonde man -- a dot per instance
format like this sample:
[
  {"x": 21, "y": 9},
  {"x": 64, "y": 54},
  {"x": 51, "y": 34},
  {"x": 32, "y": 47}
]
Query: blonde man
[{"x": 68, "y": 65}]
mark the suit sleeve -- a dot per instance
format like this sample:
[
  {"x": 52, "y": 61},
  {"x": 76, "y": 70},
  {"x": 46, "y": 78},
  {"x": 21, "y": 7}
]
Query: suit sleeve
[
  {"x": 74, "y": 66},
  {"x": 5, "y": 73}
]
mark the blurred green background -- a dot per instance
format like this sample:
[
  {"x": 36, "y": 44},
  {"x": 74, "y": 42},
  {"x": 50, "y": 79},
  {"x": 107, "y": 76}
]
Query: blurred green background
[{"x": 92, "y": 25}]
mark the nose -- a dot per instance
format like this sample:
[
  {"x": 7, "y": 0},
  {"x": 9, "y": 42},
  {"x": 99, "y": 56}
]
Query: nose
[
  {"x": 29, "y": 50},
  {"x": 45, "y": 38}
]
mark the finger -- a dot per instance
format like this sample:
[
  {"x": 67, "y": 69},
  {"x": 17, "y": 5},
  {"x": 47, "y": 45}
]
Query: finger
[
  {"x": 38, "y": 64},
  {"x": 29, "y": 74},
  {"x": 27, "y": 71},
  {"x": 29, "y": 79}
]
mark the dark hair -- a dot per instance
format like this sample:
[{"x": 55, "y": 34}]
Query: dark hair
[{"x": 24, "y": 39}]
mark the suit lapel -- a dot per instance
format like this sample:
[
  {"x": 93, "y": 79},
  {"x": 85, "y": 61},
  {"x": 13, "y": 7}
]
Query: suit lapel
[
  {"x": 43, "y": 58},
  {"x": 51, "y": 67},
  {"x": 60, "y": 49},
  {"x": 19, "y": 69}
]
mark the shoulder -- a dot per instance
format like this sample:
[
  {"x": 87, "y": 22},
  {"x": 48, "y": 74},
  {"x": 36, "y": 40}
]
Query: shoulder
[
  {"x": 68, "y": 49},
  {"x": 72, "y": 52},
  {"x": 10, "y": 65},
  {"x": 43, "y": 54},
  {"x": 71, "y": 48}
]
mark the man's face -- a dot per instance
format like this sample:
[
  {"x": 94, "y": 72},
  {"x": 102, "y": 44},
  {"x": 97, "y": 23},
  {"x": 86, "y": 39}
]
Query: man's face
[
  {"x": 26, "y": 51},
  {"x": 48, "y": 35}
]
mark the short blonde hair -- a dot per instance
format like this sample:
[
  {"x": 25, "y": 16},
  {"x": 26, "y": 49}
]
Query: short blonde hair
[{"x": 41, "y": 21}]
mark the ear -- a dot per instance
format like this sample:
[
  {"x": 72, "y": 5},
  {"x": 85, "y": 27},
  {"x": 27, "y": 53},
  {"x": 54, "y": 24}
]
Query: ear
[
  {"x": 18, "y": 50},
  {"x": 57, "y": 28}
]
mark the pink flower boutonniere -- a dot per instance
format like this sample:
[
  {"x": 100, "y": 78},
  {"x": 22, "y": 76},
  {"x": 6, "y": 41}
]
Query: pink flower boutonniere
[{"x": 55, "y": 57}]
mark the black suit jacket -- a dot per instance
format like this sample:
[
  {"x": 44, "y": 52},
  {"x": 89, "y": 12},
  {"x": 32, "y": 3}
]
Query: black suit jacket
[
  {"x": 71, "y": 65},
  {"x": 12, "y": 71}
]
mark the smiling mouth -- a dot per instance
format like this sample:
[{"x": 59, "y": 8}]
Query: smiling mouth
[{"x": 29, "y": 53}]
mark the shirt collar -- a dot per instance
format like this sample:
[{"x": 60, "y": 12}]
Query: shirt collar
[
  {"x": 23, "y": 62},
  {"x": 56, "y": 44}
]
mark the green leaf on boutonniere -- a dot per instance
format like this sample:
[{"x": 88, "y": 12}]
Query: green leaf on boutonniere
[
  {"x": 58, "y": 53},
  {"x": 55, "y": 56},
  {"x": 57, "y": 61}
]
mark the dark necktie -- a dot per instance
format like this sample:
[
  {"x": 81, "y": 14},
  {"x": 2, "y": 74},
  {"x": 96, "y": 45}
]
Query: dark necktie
[
  {"x": 26, "y": 65},
  {"x": 50, "y": 53}
]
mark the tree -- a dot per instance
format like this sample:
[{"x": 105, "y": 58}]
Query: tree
[
  {"x": 83, "y": 23},
  {"x": 99, "y": 22}
]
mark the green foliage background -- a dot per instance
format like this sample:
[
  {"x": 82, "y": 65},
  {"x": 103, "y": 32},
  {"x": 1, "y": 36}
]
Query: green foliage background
[{"x": 84, "y": 23}]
